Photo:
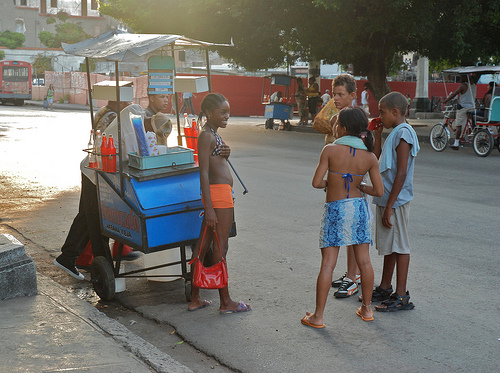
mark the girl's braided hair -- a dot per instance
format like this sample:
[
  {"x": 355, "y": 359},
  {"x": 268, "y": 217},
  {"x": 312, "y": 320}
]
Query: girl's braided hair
[
  {"x": 211, "y": 102},
  {"x": 355, "y": 122}
]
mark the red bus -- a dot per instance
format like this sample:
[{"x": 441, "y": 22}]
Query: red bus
[{"x": 15, "y": 82}]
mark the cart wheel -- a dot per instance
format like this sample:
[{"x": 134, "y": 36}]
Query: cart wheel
[
  {"x": 102, "y": 277},
  {"x": 187, "y": 290},
  {"x": 439, "y": 137},
  {"x": 269, "y": 124},
  {"x": 483, "y": 143}
]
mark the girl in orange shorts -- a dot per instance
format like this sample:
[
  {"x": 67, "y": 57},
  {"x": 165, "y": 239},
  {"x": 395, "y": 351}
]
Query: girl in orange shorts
[{"x": 216, "y": 184}]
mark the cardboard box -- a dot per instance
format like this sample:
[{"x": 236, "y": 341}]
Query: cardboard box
[
  {"x": 106, "y": 90},
  {"x": 194, "y": 84}
]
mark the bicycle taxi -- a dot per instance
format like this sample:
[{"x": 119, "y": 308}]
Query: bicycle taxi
[{"x": 482, "y": 131}]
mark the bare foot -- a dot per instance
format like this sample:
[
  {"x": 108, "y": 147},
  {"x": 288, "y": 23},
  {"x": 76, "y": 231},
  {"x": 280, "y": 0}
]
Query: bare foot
[{"x": 198, "y": 304}]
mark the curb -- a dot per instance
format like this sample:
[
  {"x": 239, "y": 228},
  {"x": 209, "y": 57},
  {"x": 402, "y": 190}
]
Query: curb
[
  {"x": 143, "y": 350},
  {"x": 60, "y": 106}
]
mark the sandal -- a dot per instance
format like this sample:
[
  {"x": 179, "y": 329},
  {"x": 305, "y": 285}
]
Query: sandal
[
  {"x": 358, "y": 312},
  {"x": 396, "y": 303},
  {"x": 379, "y": 294}
]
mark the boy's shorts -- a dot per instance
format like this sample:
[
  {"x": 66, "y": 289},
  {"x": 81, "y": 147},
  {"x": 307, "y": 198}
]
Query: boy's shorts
[{"x": 395, "y": 239}]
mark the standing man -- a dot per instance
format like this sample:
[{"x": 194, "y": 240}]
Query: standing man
[
  {"x": 313, "y": 97},
  {"x": 364, "y": 100},
  {"x": 86, "y": 225},
  {"x": 466, "y": 101},
  {"x": 186, "y": 101},
  {"x": 326, "y": 97},
  {"x": 156, "y": 104}
]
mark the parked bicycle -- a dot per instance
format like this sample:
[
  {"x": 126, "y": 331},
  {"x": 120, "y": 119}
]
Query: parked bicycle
[{"x": 480, "y": 136}]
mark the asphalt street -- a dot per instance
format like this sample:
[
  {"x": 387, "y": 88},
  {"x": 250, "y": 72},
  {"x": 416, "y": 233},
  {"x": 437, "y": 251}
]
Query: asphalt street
[{"x": 274, "y": 260}]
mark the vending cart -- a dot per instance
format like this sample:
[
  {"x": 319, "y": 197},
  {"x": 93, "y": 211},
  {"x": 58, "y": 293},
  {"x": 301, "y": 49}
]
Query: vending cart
[
  {"x": 281, "y": 108},
  {"x": 150, "y": 203}
]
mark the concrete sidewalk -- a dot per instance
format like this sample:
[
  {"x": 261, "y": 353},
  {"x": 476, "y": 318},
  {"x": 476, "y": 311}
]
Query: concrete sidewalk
[{"x": 57, "y": 331}]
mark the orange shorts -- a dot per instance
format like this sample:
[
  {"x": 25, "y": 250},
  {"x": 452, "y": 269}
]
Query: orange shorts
[{"x": 221, "y": 195}]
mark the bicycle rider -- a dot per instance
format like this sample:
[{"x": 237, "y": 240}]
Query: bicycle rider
[{"x": 466, "y": 101}]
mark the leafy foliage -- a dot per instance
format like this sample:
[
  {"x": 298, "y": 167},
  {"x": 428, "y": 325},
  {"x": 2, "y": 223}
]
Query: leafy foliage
[
  {"x": 42, "y": 64},
  {"x": 47, "y": 38},
  {"x": 12, "y": 40},
  {"x": 369, "y": 34},
  {"x": 66, "y": 32},
  {"x": 2, "y": 55}
]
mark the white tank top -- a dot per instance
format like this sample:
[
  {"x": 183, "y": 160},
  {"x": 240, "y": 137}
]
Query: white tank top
[{"x": 467, "y": 99}]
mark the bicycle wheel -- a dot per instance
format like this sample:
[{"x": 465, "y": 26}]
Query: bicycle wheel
[
  {"x": 439, "y": 137},
  {"x": 483, "y": 143}
]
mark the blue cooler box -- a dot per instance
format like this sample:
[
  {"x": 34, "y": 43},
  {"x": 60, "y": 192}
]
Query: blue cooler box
[
  {"x": 160, "y": 211},
  {"x": 277, "y": 111}
]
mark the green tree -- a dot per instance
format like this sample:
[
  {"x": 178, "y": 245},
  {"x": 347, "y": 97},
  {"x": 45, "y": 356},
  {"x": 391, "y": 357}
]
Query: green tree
[
  {"x": 2, "y": 55},
  {"x": 369, "y": 34},
  {"x": 11, "y": 40},
  {"x": 42, "y": 64},
  {"x": 66, "y": 32},
  {"x": 47, "y": 38}
]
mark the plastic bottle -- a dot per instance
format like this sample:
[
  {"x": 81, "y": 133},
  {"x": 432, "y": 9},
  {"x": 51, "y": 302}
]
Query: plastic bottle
[
  {"x": 97, "y": 147},
  {"x": 188, "y": 132},
  {"x": 112, "y": 155},
  {"x": 104, "y": 153},
  {"x": 91, "y": 148},
  {"x": 194, "y": 133}
]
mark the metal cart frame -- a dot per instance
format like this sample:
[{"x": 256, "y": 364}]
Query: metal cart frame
[{"x": 121, "y": 46}]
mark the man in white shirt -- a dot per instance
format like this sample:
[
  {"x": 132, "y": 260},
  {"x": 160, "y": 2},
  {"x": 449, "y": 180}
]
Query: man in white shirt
[
  {"x": 364, "y": 100},
  {"x": 326, "y": 97}
]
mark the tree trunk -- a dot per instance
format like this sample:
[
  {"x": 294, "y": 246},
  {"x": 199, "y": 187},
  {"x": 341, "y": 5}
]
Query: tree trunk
[{"x": 378, "y": 83}]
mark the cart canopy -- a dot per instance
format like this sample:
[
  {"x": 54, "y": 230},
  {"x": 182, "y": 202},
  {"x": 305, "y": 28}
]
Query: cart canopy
[
  {"x": 463, "y": 70},
  {"x": 120, "y": 45}
]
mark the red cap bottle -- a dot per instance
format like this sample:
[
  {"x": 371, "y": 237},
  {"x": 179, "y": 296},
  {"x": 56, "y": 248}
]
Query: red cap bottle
[
  {"x": 111, "y": 155},
  {"x": 104, "y": 153}
]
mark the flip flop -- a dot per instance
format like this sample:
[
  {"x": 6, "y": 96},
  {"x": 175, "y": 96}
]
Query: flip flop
[
  {"x": 204, "y": 303},
  {"x": 358, "y": 312},
  {"x": 242, "y": 307},
  {"x": 307, "y": 323}
]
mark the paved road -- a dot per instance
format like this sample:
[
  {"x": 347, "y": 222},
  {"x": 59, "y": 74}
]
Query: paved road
[{"x": 274, "y": 260}]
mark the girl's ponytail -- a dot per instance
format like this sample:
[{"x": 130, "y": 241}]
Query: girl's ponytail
[{"x": 367, "y": 138}]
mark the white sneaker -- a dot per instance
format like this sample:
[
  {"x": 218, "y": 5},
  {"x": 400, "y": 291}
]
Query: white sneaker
[{"x": 346, "y": 289}]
